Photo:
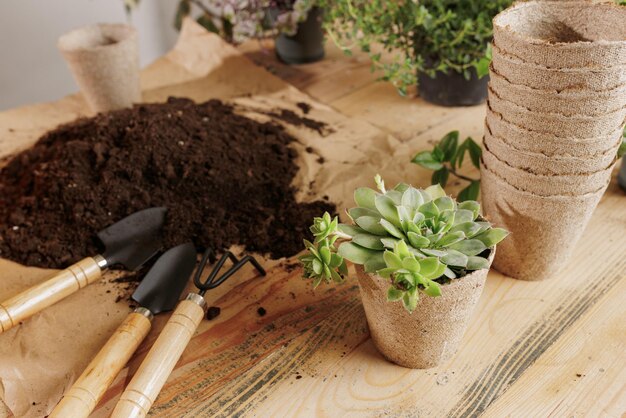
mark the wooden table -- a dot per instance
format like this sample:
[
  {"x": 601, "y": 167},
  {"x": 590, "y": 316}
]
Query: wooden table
[
  {"x": 534, "y": 349},
  {"x": 554, "y": 348}
]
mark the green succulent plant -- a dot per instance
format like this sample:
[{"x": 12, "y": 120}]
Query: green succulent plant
[{"x": 417, "y": 238}]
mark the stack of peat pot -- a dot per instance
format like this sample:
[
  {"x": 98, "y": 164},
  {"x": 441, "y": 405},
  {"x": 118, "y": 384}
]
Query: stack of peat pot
[{"x": 556, "y": 111}]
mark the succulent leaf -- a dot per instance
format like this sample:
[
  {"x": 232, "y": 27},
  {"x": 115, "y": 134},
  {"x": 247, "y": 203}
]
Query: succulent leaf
[
  {"x": 364, "y": 198},
  {"x": 368, "y": 241},
  {"x": 371, "y": 224},
  {"x": 492, "y": 236},
  {"x": 387, "y": 208},
  {"x": 355, "y": 253},
  {"x": 469, "y": 247}
]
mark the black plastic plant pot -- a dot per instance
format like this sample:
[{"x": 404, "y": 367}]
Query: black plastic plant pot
[
  {"x": 453, "y": 89},
  {"x": 307, "y": 45},
  {"x": 621, "y": 177}
]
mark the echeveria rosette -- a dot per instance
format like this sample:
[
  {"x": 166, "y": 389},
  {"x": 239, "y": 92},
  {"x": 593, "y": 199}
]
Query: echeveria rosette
[
  {"x": 322, "y": 261},
  {"x": 426, "y": 224}
]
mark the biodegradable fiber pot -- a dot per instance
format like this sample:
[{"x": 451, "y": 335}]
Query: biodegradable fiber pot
[
  {"x": 542, "y": 164},
  {"x": 546, "y": 185},
  {"x": 452, "y": 88},
  {"x": 563, "y": 34},
  {"x": 551, "y": 145},
  {"x": 307, "y": 45},
  {"x": 567, "y": 102},
  {"x": 544, "y": 230},
  {"x": 432, "y": 333},
  {"x": 578, "y": 126},
  {"x": 104, "y": 60},
  {"x": 541, "y": 77}
]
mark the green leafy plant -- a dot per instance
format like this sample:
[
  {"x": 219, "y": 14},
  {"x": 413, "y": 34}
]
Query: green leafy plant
[
  {"x": 429, "y": 36},
  {"x": 447, "y": 157},
  {"x": 417, "y": 238}
]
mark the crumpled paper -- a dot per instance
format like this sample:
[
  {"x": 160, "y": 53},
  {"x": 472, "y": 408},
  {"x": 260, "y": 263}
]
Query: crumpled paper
[{"x": 41, "y": 358}]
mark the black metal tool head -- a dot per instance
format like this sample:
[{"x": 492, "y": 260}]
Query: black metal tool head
[
  {"x": 160, "y": 290},
  {"x": 135, "y": 239},
  {"x": 213, "y": 281}
]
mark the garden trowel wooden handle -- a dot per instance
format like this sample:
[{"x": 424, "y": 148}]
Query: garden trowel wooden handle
[
  {"x": 87, "y": 391},
  {"x": 38, "y": 297},
  {"x": 158, "y": 365}
]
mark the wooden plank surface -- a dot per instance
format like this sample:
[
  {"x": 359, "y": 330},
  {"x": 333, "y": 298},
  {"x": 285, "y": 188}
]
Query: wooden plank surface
[{"x": 554, "y": 348}]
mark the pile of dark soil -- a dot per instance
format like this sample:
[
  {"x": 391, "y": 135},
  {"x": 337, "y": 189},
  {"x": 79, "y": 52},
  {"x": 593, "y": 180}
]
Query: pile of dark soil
[{"x": 225, "y": 178}]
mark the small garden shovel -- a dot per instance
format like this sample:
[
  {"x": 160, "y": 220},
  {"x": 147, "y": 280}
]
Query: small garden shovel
[
  {"x": 130, "y": 243},
  {"x": 147, "y": 382},
  {"x": 158, "y": 292}
]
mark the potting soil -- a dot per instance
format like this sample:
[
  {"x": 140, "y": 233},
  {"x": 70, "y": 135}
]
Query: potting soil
[{"x": 226, "y": 179}]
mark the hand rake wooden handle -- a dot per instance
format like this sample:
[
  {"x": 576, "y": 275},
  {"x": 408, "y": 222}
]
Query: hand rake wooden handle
[
  {"x": 158, "y": 365},
  {"x": 63, "y": 284},
  {"x": 88, "y": 390}
]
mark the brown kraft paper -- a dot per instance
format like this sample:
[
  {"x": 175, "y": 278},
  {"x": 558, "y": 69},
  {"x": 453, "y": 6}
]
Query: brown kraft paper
[
  {"x": 556, "y": 123},
  {"x": 551, "y": 145},
  {"x": 541, "y": 77},
  {"x": 432, "y": 333},
  {"x": 568, "y": 102},
  {"x": 563, "y": 34},
  {"x": 546, "y": 185},
  {"x": 539, "y": 243},
  {"x": 104, "y": 60},
  {"x": 542, "y": 164}
]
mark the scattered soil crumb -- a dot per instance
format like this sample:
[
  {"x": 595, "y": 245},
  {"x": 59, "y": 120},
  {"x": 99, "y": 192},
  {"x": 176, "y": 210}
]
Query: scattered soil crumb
[
  {"x": 294, "y": 119},
  {"x": 291, "y": 266},
  {"x": 213, "y": 312},
  {"x": 304, "y": 107}
]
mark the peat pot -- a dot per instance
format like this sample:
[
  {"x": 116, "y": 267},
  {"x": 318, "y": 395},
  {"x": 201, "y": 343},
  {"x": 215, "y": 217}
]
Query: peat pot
[
  {"x": 307, "y": 45},
  {"x": 432, "y": 333},
  {"x": 104, "y": 60},
  {"x": 452, "y": 88}
]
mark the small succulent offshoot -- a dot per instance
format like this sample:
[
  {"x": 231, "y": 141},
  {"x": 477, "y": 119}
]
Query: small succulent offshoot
[{"x": 416, "y": 238}]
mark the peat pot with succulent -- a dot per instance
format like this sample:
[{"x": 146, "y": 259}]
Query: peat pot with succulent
[
  {"x": 296, "y": 24},
  {"x": 421, "y": 261},
  {"x": 443, "y": 45}
]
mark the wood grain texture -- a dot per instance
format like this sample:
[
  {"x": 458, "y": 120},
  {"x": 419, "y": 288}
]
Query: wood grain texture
[
  {"x": 155, "y": 369},
  {"x": 33, "y": 300},
  {"x": 87, "y": 391}
]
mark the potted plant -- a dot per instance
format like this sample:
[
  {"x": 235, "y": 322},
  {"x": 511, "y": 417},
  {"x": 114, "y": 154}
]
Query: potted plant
[
  {"x": 421, "y": 260},
  {"x": 296, "y": 24},
  {"x": 442, "y": 45},
  {"x": 301, "y": 38}
]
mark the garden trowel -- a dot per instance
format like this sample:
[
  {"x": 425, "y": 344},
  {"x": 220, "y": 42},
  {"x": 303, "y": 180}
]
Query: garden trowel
[
  {"x": 158, "y": 292},
  {"x": 130, "y": 243},
  {"x": 144, "y": 387}
]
